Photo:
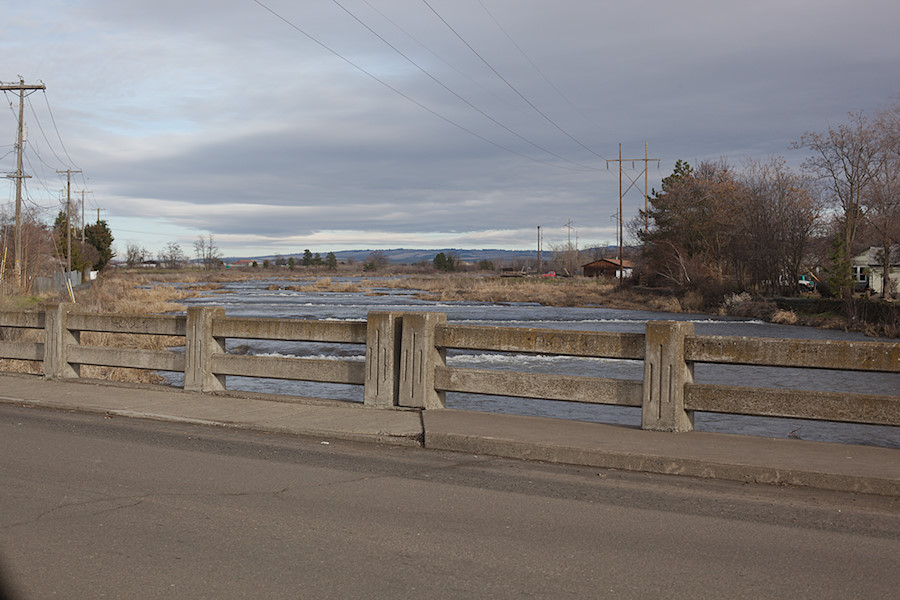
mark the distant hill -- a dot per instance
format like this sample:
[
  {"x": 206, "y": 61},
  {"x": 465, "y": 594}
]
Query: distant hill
[{"x": 410, "y": 256}]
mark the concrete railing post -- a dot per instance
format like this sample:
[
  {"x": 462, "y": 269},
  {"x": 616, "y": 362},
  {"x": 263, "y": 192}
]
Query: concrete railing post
[
  {"x": 665, "y": 374},
  {"x": 200, "y": 347},
  {"x": 57, "y": 337},
  {"x": 383, "y": 338},
  {"x": 419, "y": 357}
]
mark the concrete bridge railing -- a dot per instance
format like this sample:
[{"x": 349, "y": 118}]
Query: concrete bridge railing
[{"x": 406, "y": 363}]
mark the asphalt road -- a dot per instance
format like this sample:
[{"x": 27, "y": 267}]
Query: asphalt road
[{"x": 93, "y": 507}]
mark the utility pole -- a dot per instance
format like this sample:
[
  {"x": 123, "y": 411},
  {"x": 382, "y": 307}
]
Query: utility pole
[
  {"x": 68, "y": 173},
  {"x": 540, "y": 258},
  {"x": 646, "y": 160},
  {"x": 20, "y": 175}
]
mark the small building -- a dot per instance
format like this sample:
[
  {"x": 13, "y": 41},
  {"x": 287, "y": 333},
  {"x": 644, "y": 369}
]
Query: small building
[
  {"x": 243, "y": 262},
  {"x": 608, "y": 267},
  {"x": 868, "y": 270}
]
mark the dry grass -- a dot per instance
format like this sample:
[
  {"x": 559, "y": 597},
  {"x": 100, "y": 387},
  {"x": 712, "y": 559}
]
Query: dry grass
[
  {"x": 784, "y": 317},
  {"x": 550, "y": 292},
  {"x": 120, "y": 295}
]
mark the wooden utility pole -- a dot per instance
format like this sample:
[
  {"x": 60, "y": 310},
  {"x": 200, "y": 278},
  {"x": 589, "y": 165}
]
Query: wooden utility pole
[
  {"x": 20, "y": 175},
  {"x": 646, "y": 160},
  {"x": 68, "y": 173},
  {"x": 540, "y": 258}
]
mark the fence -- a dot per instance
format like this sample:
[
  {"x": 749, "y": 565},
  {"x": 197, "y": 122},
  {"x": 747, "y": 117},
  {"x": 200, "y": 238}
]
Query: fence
[{"x": 406, "y": 364}]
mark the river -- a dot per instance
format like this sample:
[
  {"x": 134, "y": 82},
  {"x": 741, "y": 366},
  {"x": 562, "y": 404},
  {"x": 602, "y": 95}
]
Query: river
[{"x": 251, "y": 298}]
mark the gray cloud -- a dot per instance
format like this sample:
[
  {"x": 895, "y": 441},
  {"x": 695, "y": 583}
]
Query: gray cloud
[{"x": 189, "y": 117}]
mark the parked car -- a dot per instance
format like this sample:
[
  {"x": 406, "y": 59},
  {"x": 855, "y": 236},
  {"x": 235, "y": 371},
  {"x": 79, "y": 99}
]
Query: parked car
[{"x": 806, "y": 284}]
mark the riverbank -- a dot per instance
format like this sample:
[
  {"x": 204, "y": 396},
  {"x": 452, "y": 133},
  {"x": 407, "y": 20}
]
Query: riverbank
[{"x": 160, "y": 291}]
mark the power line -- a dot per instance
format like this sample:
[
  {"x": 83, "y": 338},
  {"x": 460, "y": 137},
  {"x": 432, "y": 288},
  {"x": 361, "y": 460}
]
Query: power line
[
  {"x": 506, "y": 81},
  {"x": 431, "y": 51},
  {"x": 402, "y": 94},
  {"x": 464, "y": 100},
  {"x": 534, "y": 65},
  {"x": 53, "y": 120},
  {"x": 41, "y": 127}
]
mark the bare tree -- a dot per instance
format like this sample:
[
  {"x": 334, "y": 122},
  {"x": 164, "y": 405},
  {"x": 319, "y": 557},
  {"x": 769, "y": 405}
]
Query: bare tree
[
  {"x": 172, "y": 256},
  {"x": 847, "y": 159},
  {"x": 135, "y": 254},
  {"x": 778, "y": 220},
  {"x": 378, "y": 259},
  {"x": 207, "y": 252}
]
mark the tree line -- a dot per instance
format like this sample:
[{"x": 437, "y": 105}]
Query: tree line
[{"x": 759, "y": 228}]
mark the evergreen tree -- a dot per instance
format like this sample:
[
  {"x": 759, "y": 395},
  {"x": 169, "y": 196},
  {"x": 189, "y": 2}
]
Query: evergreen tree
[
  {"x": 64, "y": 239},
  {"x": 442, "y": 262},
  {"x": 100, "y": 237}
]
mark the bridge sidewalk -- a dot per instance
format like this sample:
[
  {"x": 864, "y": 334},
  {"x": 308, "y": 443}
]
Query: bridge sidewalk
[{"x": 840, "y": 467}]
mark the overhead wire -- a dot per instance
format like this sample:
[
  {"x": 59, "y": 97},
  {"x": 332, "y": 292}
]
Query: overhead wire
[
  {"x": 457, "y": 95},
  {"x": 446, "y": 62},
  {"x": 402, "y": 94},
  {"x": 507, "y": 82},
  {"x": 534, "y": 65},
  {"x": 61, "y": 143},
  {"x": 43, "y": 133}
]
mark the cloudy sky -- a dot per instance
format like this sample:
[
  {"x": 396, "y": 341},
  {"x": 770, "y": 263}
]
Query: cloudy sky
[{"x": 280, "y": 125}]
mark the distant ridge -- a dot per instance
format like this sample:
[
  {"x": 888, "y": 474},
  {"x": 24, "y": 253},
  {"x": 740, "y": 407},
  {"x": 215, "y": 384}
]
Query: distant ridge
[{"x": 409, "y": 256}]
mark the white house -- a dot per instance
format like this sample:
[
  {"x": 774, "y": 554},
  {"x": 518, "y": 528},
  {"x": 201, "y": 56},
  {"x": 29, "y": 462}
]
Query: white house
[{"x": 867, "y": 268}]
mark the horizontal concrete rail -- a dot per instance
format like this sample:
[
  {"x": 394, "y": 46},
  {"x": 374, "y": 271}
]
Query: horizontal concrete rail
[
  {"x": 569, "y": 388},
  {"x": 299, "y": 369},
  {"x": 777, "y": 352},
  {"x": 800, "y": 404},
  {"x": 542, "y": 341},
  {"x": 131, "y": 358},
  {"x": 22, "y": 319},
  {"x": 145, "y": 325},
  {"x": 22, "y": 350},
  {"x": 290, "y": 330}
]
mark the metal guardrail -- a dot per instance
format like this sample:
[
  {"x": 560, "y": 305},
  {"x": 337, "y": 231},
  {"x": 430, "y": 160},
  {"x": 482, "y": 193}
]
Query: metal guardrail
[{"x": 406, "y": 361}]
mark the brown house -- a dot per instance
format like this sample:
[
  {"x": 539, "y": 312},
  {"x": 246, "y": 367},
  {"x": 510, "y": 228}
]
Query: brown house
[{"x": 608, "y": 267}]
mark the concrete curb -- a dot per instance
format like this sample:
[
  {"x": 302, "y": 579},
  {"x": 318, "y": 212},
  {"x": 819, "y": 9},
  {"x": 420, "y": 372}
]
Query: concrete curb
[{"x": 836, "y": 467}]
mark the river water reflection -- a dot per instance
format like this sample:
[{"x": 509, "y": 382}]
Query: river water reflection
[{"x": 253, "y": 299}]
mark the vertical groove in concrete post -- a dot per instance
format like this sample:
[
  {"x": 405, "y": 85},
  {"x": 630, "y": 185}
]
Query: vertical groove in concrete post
[
  {"x": 419, "y": 357},
  {"x": 383, "y": 331},
  {"x": 57, "y": 337},
  {"x": 200, "y": 347},
  {"x": 665, "y": 374}
]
